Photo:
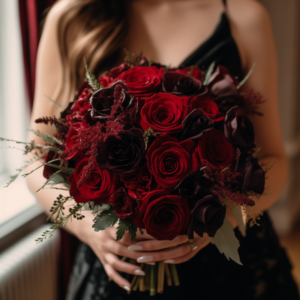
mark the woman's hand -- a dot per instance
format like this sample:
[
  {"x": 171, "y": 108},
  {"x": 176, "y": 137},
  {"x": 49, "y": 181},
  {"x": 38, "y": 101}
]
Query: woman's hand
[{"x": 176, "y": 251}]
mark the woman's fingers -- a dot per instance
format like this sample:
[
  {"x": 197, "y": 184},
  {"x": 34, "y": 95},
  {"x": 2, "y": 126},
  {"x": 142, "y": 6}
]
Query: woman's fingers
[
  {"x": 153, "y": 245},
  {"x": 122, "y": 266},
  {"x": 116, "y": 277},
  {"x": 181, "y": 259},
  {"x": 163, "y": 255}
]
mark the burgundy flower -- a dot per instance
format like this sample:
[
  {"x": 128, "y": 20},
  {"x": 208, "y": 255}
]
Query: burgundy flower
[
  {"x": 106, "y": 81},
  {"x": 207, "y": 215},
  {"x": 140, "y": 185},
  {"x": 103, "y": 100},
  {"x": 238, "y": 129},
  {"x": 164, "y": 113},
  {"x": 169, "y": 161},
  {"x": 124, "y": 206},
  {"x": 163, "y": 216},
  {"x": 252, "y": 176},
  {"x": 115, "y": 72},
  {"x": 48, "y": 170},
  {"x": 180, "y": 84},
  {"x": 195, "y": 124},
  {"x": 98, "y": 187},
  {"x": 123, "y": 154},
  {"x": 209, "y": 106},
  {"x": 142, "y": 81},
  {"x": 214, "y": 149},
  {"x": 193, "y": 71}
]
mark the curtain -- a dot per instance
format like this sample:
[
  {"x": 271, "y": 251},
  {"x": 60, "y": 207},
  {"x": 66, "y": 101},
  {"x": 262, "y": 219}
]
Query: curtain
[{"x": 32, "y": 13}]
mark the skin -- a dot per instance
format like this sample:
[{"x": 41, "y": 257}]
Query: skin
[{"x": 157, "y": 28}]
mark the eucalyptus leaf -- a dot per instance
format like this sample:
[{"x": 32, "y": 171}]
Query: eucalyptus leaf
[
  {"x": 226, "y": 241},
  {"x": 209, "y": 73},
  {"x": 105, "y": 219},
  {"x": 238, "y": 215}
]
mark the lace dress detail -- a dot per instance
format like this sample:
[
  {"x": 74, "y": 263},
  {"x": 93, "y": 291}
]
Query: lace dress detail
[{"x": 266, "y": 270}]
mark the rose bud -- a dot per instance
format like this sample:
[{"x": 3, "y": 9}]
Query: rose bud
[
  {"x": 208, "y": 105},
  {"x": 207, "y": 215},
  {"x": 48, "y": 170},
  {"x": 115, "y": 72},
  {"x": 164, "y": 113},
  {"x": 140, "y": 185},
  {"x": 158, "y": 211},
  {"x": 253, "y": 176},
  {"x": 238, "y": 129},
  {"x": 124, "y": 206},
  {"x": 214, "y": 149},
  {"x": 169, "y": 161},
  {"x": 193, "y": 186},
  {"x": 98, "y": 187},
  {"x": 180, "y": 84},
  {"x": 123, "y": 154},
  {"x": 195, "y": 124},
  {"x": 142, "y": 81}
]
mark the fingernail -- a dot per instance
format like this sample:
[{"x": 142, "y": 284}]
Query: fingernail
[
  {"x": 144, "y": 259},
  {"x": 194, "y": 248},
  {"x": 139, "y": 272},
  {"x": 127, "y": 288},
  {"x": 135, "y": 247},
  {"x": 169, "y": 261}
]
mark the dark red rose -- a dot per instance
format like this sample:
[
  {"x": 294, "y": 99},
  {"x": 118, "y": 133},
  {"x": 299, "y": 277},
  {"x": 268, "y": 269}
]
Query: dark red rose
[
  {"x": 164, "y": 113},
  {"x": 98, "y": 187},
  {"x": 252, "y": 176},
  {"x": 180, "y": 84},
  {"x": 123, "y": 154},
  {"x": 207, "y": 216},
  {"x": 214, "y": 149},
  {"x": 238, "y": 129},
  {"x": 48, "y": 170},
  {"x": 103, "y": 100},
  {"x": 163, "y": 216},
  {"x": 169, "y": 161},
  {"x": 106, "y": 81},
  {"x": 83, "y": 102},
  {"x": 72, "y": 141},
  {"x": 142, "y": 81},
  {"x": 115, "y": 72},
  {"x": 208, "y": 105},
  {"x": 124, "y": 206},
  {"x": 195, "y": 124},
  {"x": 140, "y": 185},
  {"x": 193, "y": 71}
]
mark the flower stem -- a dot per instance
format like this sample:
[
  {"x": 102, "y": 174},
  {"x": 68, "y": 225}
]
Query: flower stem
[
  {"x": 161, "y": 277},
  {"x": 152, "y": 280},
  {"x": 174, "y": 274},
  {"x": 168, "y": 274}
]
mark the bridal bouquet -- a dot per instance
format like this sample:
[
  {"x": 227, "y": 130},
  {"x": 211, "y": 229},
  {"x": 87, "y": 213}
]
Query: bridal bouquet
[{"x": 169, "y": 151}]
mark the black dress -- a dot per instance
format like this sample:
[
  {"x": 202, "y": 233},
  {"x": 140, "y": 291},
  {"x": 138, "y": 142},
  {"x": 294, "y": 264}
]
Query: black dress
[{"x": 266, "y": 270}]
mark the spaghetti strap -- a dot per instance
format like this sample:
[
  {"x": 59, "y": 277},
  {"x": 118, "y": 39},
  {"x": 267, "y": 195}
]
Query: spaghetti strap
[{"x": 224, "y": 3}]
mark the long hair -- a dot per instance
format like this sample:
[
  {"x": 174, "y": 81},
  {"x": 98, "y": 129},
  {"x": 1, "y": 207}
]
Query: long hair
[{"x": 94, "y": 30}]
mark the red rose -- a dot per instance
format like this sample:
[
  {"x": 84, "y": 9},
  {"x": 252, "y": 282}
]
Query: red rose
[
  {"x": 169, "y": 161},
  {"x": 140, "y": 185},
  {"x": 193, "y": 71},
  {"x": 98, "y": 187},
  {"x": 164, "y": 113},
  {"x": 71, "y": 139},
  {"x": 115, "y": 72},
  {"x": 105, "y": 81},
  {"x": 124, "y": 206},
  {"x": 142, "y": 81},
  {"x": 163, "y": 216},
  {"x": 214, "y": 149},
  {"x": 83, "y": 103}
]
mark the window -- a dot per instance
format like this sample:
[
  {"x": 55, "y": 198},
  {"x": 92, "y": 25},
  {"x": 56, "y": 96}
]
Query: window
[{"x": 14, "y": 122}]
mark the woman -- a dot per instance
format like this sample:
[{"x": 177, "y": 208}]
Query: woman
[{"x": 173, "y": 32}]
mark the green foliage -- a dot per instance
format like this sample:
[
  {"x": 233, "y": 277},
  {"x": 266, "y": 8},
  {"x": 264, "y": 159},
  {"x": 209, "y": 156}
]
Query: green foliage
[
  {"x": 247, "y": 76},
  {"x": 91, "y": 78},
  {"x": 46, "y": 163},
  {"x": 147, "y": 134},
  {"x": 48, "y": 180},
  {"x": 105, "y": 219},
  {"x": 56, "y": 103},
  {"x": 126, "y": 225},
  {"x": 47, "y": 137},
  {"x": 209, "y": 73},
  {"x": 132, "y": 59}
]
